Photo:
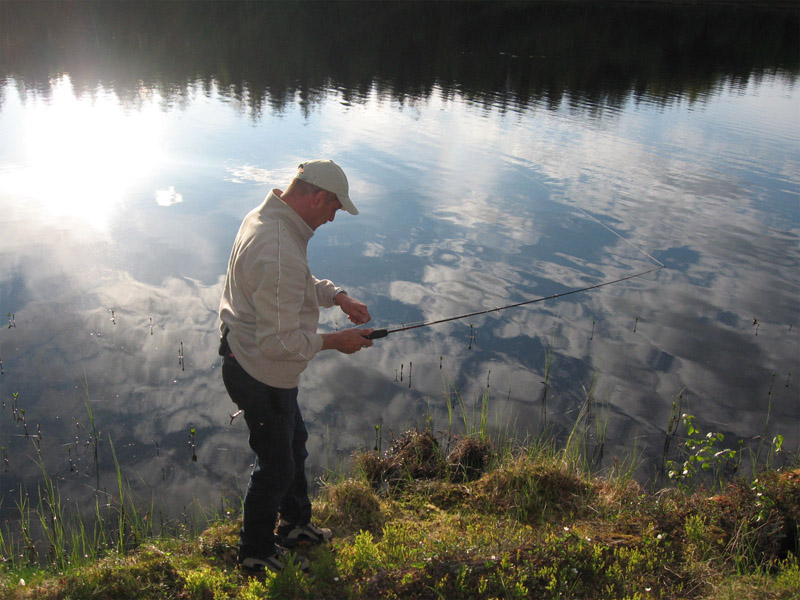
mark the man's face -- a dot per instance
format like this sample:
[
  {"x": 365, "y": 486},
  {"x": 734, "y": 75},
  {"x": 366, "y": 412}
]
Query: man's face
[{"x": 326, "y": 211}]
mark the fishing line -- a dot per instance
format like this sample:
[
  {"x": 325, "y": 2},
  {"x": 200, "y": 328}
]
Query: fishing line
[
  {"x": 381, "y": 333},
  {"x": 607, "y": 228},
  {"x": 590, "y": 216}
]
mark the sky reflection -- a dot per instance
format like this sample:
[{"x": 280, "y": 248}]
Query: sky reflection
[
  {"x": 463, "y": 208},
  {"x": 81, "y": 153}
]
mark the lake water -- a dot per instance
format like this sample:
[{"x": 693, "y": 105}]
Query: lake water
[{"x": 576, "y": 146}]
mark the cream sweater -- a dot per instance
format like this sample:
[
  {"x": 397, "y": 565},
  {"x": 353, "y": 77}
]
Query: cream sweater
[{"x": 271, "y": 300}]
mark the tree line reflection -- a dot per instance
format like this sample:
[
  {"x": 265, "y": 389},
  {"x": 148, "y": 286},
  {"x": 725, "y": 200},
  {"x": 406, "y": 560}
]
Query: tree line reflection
[{"x": 507, "y": 55}]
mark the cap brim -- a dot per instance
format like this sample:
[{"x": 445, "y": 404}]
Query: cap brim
[{"x": 347, "y": 204}]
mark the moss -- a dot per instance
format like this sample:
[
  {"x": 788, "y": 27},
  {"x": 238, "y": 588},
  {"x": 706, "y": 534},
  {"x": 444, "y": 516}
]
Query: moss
[
  {"x": 148, "y": 573},
  {"x": 349, "y": 507}
]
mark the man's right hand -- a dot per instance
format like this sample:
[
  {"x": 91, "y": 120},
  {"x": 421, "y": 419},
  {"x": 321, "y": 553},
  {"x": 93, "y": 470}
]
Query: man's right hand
[{"x": 347, "y": 341}]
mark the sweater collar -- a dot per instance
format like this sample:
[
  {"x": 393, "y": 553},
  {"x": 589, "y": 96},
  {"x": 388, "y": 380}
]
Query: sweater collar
[{"x": 277, "y": 207}]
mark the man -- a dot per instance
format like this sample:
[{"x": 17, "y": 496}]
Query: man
[{"x": 269, "y": 312}]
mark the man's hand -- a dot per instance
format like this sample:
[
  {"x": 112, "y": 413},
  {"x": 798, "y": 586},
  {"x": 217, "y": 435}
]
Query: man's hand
[
  {"x": 355, "y": 309},
  {"x": 347, "y": 341}
]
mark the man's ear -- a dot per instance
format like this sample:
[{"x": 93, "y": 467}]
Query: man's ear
[{"x": 319, "y": 197}]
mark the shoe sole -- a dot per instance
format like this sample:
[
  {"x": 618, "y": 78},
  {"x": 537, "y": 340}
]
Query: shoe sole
[
  {"x": 302, "y": 543},
  {"x": 260, "y": 568},
  {"x": 264, "y": 568}
]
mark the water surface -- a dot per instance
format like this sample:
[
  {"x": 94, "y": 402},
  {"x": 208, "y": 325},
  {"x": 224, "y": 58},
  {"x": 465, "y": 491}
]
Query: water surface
[{"x": 582, "y": 146}]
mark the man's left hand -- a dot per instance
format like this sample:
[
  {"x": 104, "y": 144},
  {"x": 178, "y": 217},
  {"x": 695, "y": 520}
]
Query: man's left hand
[{"x": 354, "y": 309}]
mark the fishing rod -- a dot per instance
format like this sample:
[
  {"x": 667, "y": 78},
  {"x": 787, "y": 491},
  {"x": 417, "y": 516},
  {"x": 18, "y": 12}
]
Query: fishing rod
[{"x": 382, "y": 333}]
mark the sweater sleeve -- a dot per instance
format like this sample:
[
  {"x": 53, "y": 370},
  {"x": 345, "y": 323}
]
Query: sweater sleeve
[
  {"x": 326, "y": 291},
  {"x": 279, "y": 299}
]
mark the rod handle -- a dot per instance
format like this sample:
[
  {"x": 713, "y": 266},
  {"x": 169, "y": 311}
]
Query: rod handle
[{"x": 377, "y": 333}]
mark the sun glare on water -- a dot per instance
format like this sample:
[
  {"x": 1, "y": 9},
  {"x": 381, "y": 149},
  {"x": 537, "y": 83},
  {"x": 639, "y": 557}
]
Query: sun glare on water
[{"x": 83, "y": 153}]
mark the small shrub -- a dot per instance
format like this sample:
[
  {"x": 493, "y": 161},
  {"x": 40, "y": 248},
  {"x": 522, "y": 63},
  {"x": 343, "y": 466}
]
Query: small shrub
[
  {"x": 207, "y": 583},
  {"x": 361, "y": 558},
  {"x": 701, "y": 457},
  {"x": 704, "y": 539},
  {"x": 253, "y": 590}
]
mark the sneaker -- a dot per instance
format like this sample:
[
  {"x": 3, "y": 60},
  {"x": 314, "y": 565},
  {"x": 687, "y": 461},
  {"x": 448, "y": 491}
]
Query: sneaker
[
  {"x": 309, "y": 534},
  {"x": 273, "y": 562}
]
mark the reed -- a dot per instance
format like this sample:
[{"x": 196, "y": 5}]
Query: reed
[
  {"x": 549, "y": 356},
  {"x": 49, "y": 531},
  {"x": 474, "y": 419},
  {"x": 585, "y": 445},
  {"x": 672, "y": 427},
  {"x": 92, "y": 433},
  {"x": 769, "y": 405}
]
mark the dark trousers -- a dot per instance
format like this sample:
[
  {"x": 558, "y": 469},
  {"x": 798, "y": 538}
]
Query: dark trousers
[{"x": 278, "y": 437}]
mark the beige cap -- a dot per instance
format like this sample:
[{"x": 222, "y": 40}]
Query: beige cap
[{"x": 327, "y": 175}]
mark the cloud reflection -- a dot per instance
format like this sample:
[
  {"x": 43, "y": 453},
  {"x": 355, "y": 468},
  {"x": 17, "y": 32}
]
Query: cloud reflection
[
  {"x": 69, "y": 348},
  {"x": 82, "y": 153},
  {"x": 168, "y": 197}
]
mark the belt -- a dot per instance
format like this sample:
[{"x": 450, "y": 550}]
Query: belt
[{"x": 224, "y": 347}]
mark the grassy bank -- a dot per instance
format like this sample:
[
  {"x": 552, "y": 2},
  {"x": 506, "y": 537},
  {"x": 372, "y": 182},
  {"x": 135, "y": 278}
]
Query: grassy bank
[{"x": 419, "y": 522}]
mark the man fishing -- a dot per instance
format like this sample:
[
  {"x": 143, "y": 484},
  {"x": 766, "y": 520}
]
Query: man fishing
[{"x": 270, "y": 312}]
